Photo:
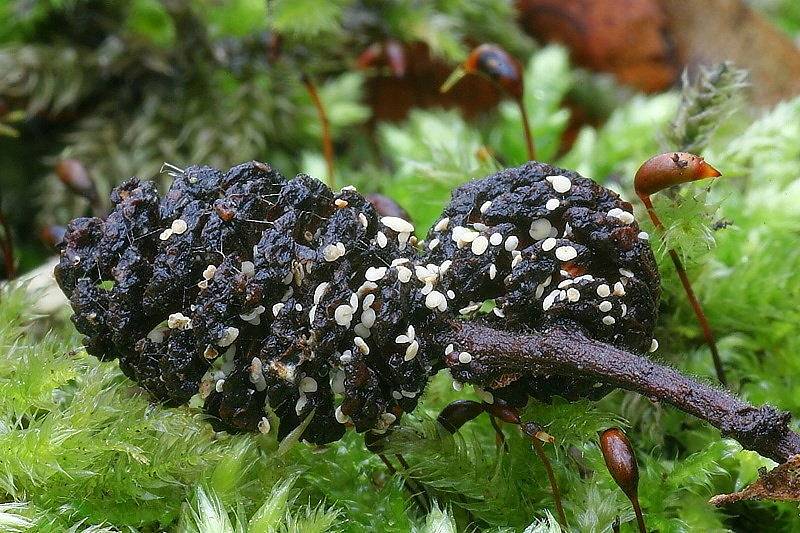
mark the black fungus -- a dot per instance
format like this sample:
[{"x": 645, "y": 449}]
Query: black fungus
[{"x": 257, "y": 293}]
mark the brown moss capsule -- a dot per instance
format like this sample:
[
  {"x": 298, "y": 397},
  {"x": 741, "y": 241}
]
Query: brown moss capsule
[
  {"x": 387, "y": 207},
  {"x": 660, "y": 172},
  {"x": 502, "y": 68},
  {"x": 621, "y": 462},
  {"x": 74, "y": 175},
  {"x": 671, "y": 168},
  {"x": 53, "y": 235}
]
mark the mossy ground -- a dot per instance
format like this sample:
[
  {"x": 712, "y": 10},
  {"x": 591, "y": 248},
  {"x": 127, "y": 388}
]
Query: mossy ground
[{"x": 83, "y": 449}]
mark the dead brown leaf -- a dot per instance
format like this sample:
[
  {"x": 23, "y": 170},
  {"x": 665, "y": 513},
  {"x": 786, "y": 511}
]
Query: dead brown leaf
[{"x": 782, "y": 483}]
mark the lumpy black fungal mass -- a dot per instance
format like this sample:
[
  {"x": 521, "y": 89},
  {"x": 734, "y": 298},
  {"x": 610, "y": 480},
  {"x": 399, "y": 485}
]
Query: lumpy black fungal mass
[{"x": 251, "y": 291}]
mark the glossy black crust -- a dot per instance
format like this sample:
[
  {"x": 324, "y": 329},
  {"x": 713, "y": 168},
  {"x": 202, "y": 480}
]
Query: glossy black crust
[{"x": 259, "y": 271}]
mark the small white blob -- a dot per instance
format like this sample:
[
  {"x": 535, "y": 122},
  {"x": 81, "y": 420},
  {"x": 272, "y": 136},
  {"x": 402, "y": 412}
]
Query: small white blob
[
  {"x": 566, "y": 253},
  {"x": 397, "y": 224},
  {"x": 179, "y": 226},
  {"x": 464, "y": 358},
  {"x": 540, "y": 229}
]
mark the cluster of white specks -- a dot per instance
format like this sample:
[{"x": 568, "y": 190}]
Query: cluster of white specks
[
  {"x": 621, "y": 215},
  {"x": 179, "y": 321},
  {"x": 561, "y": 184},
  {"x": 552, "y": 204},
  {"x": 653, "y": 346},
  {"x": 229, "y": 336},
  {"x": 332, "y": 252},
  {"x": 540, "y": 228},
  {"x": 257, "y": 374},
  {"x": 566, "y": 253}
]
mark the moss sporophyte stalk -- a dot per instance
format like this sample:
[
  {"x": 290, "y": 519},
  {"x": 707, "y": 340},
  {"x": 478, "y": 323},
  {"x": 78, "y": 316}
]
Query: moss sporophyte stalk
[{"x": 254, "y": 293}]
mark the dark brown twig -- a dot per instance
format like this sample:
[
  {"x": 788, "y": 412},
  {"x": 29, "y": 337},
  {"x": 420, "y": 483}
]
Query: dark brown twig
[{"x": 567, "y": 350}]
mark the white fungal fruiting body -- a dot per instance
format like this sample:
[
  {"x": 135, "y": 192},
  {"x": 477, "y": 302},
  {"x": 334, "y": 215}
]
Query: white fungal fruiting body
[
  {"x": 603, "y": 291},
  {"x": 480, "y": 245},
  {"x": 552, "y": 204},
  {"x": 511, "y": 243},
  {"x": 332, "y": 252},
  {"x": 495, "y": 239},
  {"x": 464, "y": 358},
  {"x": 397, "y": 224},
  {"x": 179, "y": 226},
  {"x": 485, "y": 206},
  {"x": 436, "y": 300},
  {"x": 343, "y": 315},
  {"x": 622, "y": 216},
  {"x": 229, "y": 336},
  {"x": 209, "y": 272},
  {"x": 179, "y": 321},
  {"x": 308, "y": 384},
  {"x": 549, "y": 244},
  {"x": 442, "y": 224},
  {"x": 653, "y": 346},
  {"x": 540, "y": 229},
  {"x": 566, "y": 253},
  {"x": 561, "y": 184}
]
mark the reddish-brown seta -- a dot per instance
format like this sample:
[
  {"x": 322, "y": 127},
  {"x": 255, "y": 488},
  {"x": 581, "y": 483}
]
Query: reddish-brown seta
[
  {"x": 503, "y": 69},
  {"x": 656, "y": 174}
]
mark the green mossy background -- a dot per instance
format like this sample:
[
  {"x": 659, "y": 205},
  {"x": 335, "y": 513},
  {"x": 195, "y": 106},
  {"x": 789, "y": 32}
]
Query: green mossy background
[{"x": 83, "y": 449}]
